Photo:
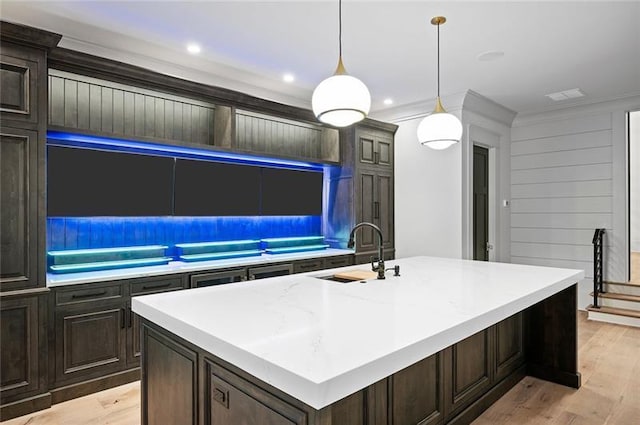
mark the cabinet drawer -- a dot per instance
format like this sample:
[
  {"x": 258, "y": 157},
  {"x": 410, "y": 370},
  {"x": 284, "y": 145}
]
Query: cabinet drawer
[
  {"x": 88, "y": 293},
  {"x": 308, "y": 265},
  {"x": 151, "y": 286},
  {"x": 342, "y": 261}
]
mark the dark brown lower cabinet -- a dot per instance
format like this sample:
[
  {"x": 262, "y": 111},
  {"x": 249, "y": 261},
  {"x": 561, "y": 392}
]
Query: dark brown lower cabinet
[
  {"x": 451, "y": 386},
  {"x": 89, "y": 340},
  {"x": 232, "y": 400},
  {"x": 469, "y": 365},
  {"x": 416, "y": 393},
  {"x": 23, "y": 353},
  {"x": 169, "y": 383}
]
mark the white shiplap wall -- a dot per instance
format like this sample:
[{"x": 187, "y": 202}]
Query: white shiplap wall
[{"x": 561, "y": 190}]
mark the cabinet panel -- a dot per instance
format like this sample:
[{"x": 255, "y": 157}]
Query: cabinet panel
[
  {"x": 232, "y": 401},
  {"x": 509, "y": 346},
  {"x": 218, "y": 278},
  {"x": 18, "y": 85},
  {"x": 83, "y": 103},
  {"x": 169, "y": 372},
  {"x": 366, "y": 149},
  {"x": 19, "y": 219},
  {"x": 340, "y": 261},
  {"x": 417, "y": 393},
  {"x": 365, "y": 211},
  {"x": 384, "y": 207},
  {"x": 308, "y": 265},
  {"x": 89, "y": 342},
  {"x": 132, "y": 320},
  {"x": 269, "y": 271},
  {"x": 470, "y": 370},
  {"x": 19, "y": 362},
  {"x": 374, "y": 148}
]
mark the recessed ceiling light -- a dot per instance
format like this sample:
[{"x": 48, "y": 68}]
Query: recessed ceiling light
[
  {"x": 388, "y": 101},
  {"x": 491, "y": 55},
  {"x": 193, "y": 48},
  {"x": 288, "y": 77}
]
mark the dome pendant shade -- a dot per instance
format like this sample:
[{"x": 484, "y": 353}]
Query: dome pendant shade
[
  {"x": 440, "y": 129},
  {"x": 341, "y": 99}
]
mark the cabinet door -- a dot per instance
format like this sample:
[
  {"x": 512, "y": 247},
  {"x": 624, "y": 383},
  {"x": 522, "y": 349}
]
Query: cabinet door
[
  {"x": 132, "y": 320},
  {"x": 417, "y": 393},
  {"x": 19, "y": 73},
  {"x": 308, "y": 265},
  {"x": 270, "y": 271},
  {"x": 383, "y": 207},
  {"x": 169, "y": 390},
  {"x": 19, "y": 193},
  {"x": 469, "y": 365},
  {"x": 20, "y": 366},
  {"x": 366, "y": 239},
  {"x": 231, "y": 400},
  {"x": 218, "y": 278},
  {"x": 509, "y": 346},
  {"x": 374, "y": 148},
  {"x": 89, "y": 341}
]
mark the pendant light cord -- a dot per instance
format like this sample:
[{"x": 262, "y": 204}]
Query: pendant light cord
[
  {"x": 340, "y": 27},
  {"x": 438, "y": 60}
]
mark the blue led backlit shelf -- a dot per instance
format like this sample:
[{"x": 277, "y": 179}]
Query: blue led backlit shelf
[
  {"x": 85, "y": 260},
  {"x": 219, "y": 250},
  {"x": 296, "y": 244}
]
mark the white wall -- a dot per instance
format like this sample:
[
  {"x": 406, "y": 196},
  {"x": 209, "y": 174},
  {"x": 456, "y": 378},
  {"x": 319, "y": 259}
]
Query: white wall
[
  {"x": 635, "y": 180},
  {"x": 568, "y": 177},
  {"x": 433, "y": 190},
  {"x": 427, "y": 196}
]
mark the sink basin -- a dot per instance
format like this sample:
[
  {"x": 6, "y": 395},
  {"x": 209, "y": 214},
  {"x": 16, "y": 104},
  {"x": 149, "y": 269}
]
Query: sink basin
[{"x": 337, "y": 279}]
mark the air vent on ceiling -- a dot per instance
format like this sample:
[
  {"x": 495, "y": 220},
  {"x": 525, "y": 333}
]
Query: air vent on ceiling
[{"x": 566, "y": 94}]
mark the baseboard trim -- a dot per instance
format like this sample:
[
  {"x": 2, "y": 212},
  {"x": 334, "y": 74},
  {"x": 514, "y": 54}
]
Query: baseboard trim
[
  {"x": 568, "y": 379},
  {"x": 25, "y": 406},
  {"x": 68, "y": 392},
  {"x": 476, "y": 408}
]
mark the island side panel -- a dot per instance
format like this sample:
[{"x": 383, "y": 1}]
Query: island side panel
[
  {"x": 169, "y": 390},
  {"x": 552, "y": 339}
]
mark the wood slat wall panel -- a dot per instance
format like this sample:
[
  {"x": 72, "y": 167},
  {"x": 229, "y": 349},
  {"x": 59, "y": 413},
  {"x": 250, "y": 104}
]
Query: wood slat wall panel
[
  {"x": 562, "y": 221},
  {"x": 592, "y": 204},
  {"x": 567, "y": 142},
  {"x": 562, "y": 174},
  {"x": 600, "y": 155},
  {"x": 116, "y": 110},
  {"x": 557, "y": 236},
  {"x": 562, "y": 190}
]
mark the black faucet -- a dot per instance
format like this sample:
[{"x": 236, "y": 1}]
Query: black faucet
[{"x": 380, "y": 267}]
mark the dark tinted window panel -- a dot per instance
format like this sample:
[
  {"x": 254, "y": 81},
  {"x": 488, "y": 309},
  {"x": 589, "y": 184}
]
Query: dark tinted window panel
[
  {"x": 84, "y": 182},
  {"x": 291, "y": 192},
  {"x": 204, "y": 188}
]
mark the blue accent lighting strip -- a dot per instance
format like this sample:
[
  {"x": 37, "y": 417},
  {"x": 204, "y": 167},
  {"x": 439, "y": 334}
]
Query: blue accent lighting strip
[{"x": 58, "y": 138}]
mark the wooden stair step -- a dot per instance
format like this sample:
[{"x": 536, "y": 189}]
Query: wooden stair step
[
  {"x": 631, "y": 284},
  {"x": 616, "y": 296},
  {"x": 616, "y": 311}
]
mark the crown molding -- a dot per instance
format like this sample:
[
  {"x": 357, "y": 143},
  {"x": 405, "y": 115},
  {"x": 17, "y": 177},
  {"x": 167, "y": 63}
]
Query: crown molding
[
  {"x": 482, "y": 105},
  {"x": 626, "y": 102}
]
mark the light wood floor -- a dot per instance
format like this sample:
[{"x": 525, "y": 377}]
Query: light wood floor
[
  {"x": 610, "y": 394},
  {"x": 635, "y": 268}
]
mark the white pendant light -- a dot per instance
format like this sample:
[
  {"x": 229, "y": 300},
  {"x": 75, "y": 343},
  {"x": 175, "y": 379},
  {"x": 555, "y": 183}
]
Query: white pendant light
[
  {"x": 440, "y": 129},
  {"x": 341, "y": 99}
]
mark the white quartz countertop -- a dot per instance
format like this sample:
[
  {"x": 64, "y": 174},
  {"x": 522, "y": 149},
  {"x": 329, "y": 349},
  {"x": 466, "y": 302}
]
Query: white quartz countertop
[
  {"x": 185, "y": 267},
  {"x": 320, "y": 341}
]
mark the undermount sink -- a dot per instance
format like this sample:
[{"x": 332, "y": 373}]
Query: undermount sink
[{"x": 338, "y": 279}]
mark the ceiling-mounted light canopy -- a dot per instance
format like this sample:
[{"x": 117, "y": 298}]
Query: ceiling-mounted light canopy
[
  {"x": 440, "y": 129},
  {"x": 341, "y": 99}
]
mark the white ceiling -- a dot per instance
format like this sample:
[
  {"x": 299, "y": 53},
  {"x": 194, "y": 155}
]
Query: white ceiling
[{"x": 548, "y": 46}]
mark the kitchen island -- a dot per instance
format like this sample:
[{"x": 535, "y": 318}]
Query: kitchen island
[{"x": 437, "y": 344}]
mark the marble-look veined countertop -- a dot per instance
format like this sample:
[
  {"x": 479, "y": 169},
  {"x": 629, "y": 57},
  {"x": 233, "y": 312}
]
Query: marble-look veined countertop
[
  {"x": 174, "y": 267},
  {"x": 320, "y": 341}
]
